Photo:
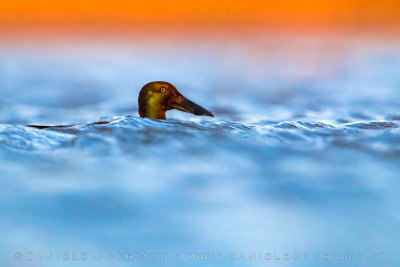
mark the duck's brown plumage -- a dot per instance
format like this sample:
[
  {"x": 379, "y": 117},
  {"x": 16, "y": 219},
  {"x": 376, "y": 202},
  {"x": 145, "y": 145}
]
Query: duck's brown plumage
[{"x": 155, "y": 98}]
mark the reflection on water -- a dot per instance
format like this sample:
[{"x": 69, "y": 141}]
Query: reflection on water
[{"x": 302, "y": 156}]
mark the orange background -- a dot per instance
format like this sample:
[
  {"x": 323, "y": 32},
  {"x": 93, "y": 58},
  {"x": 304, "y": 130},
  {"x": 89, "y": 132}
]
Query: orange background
[{"x": 123, "y": 13}]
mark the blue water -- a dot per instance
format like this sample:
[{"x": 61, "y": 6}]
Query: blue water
[{"x": 303, "y": 155}]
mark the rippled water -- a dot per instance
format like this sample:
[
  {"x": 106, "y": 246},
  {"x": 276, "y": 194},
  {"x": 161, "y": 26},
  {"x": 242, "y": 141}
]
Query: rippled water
[{"x": 302, "y": 156}]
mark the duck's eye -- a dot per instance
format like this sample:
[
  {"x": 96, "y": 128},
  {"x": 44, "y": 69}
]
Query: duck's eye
[{"x": 162, "y": 89}]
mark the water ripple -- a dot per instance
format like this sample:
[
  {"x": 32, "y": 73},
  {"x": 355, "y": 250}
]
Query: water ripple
[
  {"x": 131, "y": 133},
  {"x": 373, "y": 125}
]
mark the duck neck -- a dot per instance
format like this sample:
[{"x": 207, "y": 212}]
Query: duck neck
[
  {"x": 153, "y": 114},
  {"x": 151, "y": 110}
]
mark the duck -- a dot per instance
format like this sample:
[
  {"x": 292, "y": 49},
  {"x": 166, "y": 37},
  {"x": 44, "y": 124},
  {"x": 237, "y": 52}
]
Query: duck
[{"x": 155, "y": 99}]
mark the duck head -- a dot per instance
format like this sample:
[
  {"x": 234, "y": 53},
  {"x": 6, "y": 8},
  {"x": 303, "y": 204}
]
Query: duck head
[{"x": 156, "y": 98}]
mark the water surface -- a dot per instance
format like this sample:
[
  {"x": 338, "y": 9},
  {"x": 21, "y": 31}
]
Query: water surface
[{"x": 302, "y": 156}]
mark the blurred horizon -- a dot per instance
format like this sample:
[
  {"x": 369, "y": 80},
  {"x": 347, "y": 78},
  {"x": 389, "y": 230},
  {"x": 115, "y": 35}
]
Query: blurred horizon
[
  {"x": 302, "y": 155},
  {"x": 28, "y": 19}
]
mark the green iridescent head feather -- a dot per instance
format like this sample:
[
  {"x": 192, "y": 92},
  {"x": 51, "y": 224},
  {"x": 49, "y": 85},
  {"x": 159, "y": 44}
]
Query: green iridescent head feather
[{"x": 156, "y": 98}]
